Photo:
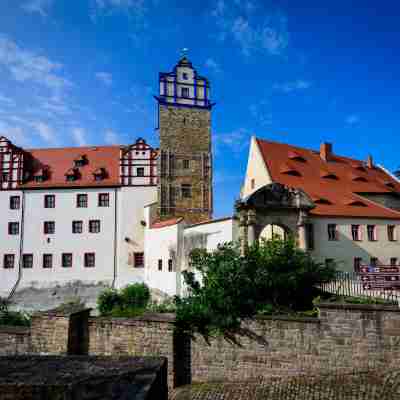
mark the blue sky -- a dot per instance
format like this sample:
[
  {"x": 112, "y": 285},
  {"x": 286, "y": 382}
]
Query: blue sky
[{"x": 85, "y": 72}]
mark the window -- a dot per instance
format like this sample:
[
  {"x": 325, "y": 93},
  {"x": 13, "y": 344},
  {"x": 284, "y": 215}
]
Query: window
[
  {"x": 373, "y": 262},
  {"x": 49, "y": 201},
  {"x": 47, "y": 260},
  {"x": 94, "y": 226},
  {"x": 49, "y": 227},
  {"x": 77, "y": 226},
  {"x": 357, "y": 264},
  {"x": 82, "y": 200},
  {"x": 4, "y": 177},
  {"x": 27, "y": 261},
  {"x": 71, "y": 178},
  {"x": 170, "y": 265},
  {"x": 355, "y": 232},
  {"x": 253, "y": 183},
  {"x": 104, "y": 200},
  {"x": 66, "y": 260},
  {"x": 393, "y": 261},
  {"x": 8, "y": 261},
  {"x": 186, "y": 190},
  {"x": 160, "y": 265},
  {"x": 391, "y": 233},
  {"x": 186, "y": 164},
  {"x": 13, "y": 228},
  {"x": 139, "y": 260},
  {"x": 39, "y": 178},
  {"x": 140, "y": 171},
  {"x": 371, "y": 230},
  {"x": 185, "y": 76},
  {"x": 185, "y": 92},
  {"x": 310, "y": 236},
  {"x": 15, "y": 202},
  {"x": 332, "y": 232},
  {"x": 90, "y": 260}
]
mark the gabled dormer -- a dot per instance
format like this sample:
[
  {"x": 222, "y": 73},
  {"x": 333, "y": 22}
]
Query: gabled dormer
[
  {"x": 99, "y": 174},
  {"x": 41, "y": 175},
  {"x": 72, "y": 175},
  {"x": 81, "y": 161}
]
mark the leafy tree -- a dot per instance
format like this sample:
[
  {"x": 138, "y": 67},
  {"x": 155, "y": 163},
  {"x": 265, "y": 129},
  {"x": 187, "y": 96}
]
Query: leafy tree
[{"x": 274, "y": 275}]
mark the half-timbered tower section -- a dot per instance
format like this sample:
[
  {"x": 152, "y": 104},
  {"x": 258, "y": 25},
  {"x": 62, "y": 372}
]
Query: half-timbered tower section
[
  {"x": 11, "y": 164},
  {"x": 185, "y": 161},
  {"x": 139, "y": 164}
]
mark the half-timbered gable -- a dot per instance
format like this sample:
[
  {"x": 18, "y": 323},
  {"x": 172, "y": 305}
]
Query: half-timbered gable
[
  {"x": 139, "y": 164},
  {"x": 11, "y": 165}
]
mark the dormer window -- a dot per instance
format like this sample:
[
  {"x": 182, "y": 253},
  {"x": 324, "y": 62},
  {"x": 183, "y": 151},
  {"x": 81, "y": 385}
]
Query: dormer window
[
  {"x": 328, "y": 175},
  {"x": 40, "y": 175},
  {"x": 81, "y": 161},
  {"x": 358, "y": 178},
  {"x": 71, "y": 175},
  {"x": 185, "y": 92},
  {"x": 289, "y": 170},
  {"x": 99, "y": 174},
  {"x": 293, "y": 155}
]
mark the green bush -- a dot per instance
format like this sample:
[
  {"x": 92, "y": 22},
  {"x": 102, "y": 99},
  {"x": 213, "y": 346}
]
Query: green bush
[
  {"x": 167, "y": 306},
  {"x": 271, "y": 276},
  {"x": 108, "y": 300},
  {"x": 136, "y": 295},
  {"x": 12, "y": 318},
  {"x": 130, "y": 301}
]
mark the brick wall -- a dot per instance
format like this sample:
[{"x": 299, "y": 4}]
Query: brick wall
[
  {"x": 152, "y": 335},
  {"x": 14, "y": 340},
  {"x": 345, "y": 337}
]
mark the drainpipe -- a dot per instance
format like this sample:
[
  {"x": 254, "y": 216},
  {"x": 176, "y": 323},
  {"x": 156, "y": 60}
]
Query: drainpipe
[
  {"x": 21, "y": 248},
  {"x": 115, "y": 236}
]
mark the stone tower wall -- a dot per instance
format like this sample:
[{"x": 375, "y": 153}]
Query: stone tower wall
[{"x": 185, "y": 134}]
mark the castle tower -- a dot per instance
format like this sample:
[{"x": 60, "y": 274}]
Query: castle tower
[{"x": 185, "y": 161}]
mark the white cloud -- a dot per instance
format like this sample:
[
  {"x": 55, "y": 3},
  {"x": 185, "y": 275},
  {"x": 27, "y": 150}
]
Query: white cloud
[
  {"x": 236, "y": 141},
  {"x": 37, "y": 6},
  {"x": 45, "y": 132},
  {"x": 261, "y": 113},
  {"x": 239, "y": 21},
  {"x": 352, "y": 119},
  {"x": 111, "y": 137},
  {"x": 213, "y": 65},
  {"x": 6, "y": 100},
  {"x": 79, "y": 136},
  {"x": 288, "y": 87},
  {"x": 105, "y": 78},
  {"x": 15, "y": 133},
  {"x": 26, "y": 66}
]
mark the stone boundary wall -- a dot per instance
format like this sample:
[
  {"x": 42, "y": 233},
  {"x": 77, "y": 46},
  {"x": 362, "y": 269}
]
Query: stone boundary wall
[
  {"x": 14, "y": 340},
  {"x": 344, "y": 338}
]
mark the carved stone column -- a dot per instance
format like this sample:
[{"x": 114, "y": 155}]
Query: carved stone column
[
  {"x": 302, "y": 231},
  {"x": 251, "y": 228},
  {"x": 243, "y": 232}
]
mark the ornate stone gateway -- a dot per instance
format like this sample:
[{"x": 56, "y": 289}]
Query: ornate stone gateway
[{"x": 274, "y": 205}]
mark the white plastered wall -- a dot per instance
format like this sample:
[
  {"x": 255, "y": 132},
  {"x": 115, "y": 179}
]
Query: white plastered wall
[
  {"x": 9, "y": 244},
  {"x": 131, "y": 231},
  {"x": 256, "y": 171},
  {"x": 344, "y": 250}
]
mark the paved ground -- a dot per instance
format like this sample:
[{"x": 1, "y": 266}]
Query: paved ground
[{"x": 371, "y": 385}]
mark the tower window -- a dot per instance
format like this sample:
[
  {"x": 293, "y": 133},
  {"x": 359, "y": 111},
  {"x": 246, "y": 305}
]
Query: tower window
[
  {"x": 186, "y": 190},
  {"x": 185, "y": 92},
  {"x": 186, "y": 164},
  {"x": 185, "y": 76},
  {"x": 140, "y": 171}
]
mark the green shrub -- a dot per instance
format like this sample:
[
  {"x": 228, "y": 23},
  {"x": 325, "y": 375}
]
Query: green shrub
[
  {"x": 167, "y": 306},
  {"x": 108, "y": 300},
  {"x": 271, "y": 276},
  {"x": 12, "y": 318},
  {"x": 136, "y": 295},
  {"x": 127, "y": 302}
]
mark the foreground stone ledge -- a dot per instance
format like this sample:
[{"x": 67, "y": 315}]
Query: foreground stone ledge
[
  {"x": 360, "y": 307},
  {"x": 81, "y": 378}
]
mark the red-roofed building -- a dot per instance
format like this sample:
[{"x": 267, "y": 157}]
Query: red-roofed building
[{"x": 348, "y": 195}]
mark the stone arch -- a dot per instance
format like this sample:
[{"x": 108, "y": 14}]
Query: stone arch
[
  {"x": 274, "y": 230},
  {"x": 274, "y": 204}
]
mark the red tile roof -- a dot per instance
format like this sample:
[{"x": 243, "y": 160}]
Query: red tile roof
[
  {"x": 59, "y": 161},
  {"x": 164, "y": 224},
  {"x": 341, "y": 193}
]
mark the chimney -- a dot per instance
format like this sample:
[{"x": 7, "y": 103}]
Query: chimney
[
  {"x": 370, "y": 162},
  {"x": 326, "y": 151}
]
